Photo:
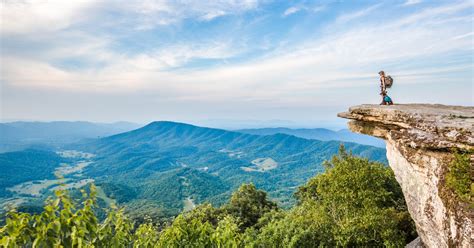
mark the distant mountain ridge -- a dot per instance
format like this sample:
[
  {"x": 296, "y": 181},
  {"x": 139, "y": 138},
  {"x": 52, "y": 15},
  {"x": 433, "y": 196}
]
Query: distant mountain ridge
[
  {"x": 21, "y": 135},
  {"x": 319, "y": 134}
]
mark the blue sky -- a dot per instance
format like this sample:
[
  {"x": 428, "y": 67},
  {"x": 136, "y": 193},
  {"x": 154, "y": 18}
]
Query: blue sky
[{"x": 229, "y": 63}]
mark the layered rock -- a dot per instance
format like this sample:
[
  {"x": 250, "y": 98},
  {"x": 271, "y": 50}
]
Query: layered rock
[{"x": 420, "y": 139}]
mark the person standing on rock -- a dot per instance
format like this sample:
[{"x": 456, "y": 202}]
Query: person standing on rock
[{"x": 385, "y": 82}]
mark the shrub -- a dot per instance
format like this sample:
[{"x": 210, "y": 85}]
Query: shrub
[{"x": 460, "y": 176}]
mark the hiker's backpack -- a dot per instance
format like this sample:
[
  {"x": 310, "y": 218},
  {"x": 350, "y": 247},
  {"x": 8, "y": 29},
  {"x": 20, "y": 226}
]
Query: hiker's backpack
[{"x": 388, "y": 81}]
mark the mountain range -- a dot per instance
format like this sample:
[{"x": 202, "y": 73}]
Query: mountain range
[
  {"x": 165, "y": 167},
  {"x": 319, "y": 134},
  {"x": 206, "y": 164}
]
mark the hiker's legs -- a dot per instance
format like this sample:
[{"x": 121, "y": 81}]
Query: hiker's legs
[{"x": 382, "y": 91}]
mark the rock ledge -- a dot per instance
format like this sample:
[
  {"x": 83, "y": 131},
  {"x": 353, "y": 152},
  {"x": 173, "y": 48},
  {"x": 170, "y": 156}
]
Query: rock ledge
[{"x": 419, "y": 139}]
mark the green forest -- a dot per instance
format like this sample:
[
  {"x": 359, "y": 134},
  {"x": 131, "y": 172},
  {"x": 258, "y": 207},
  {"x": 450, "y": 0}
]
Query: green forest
[
  {"x": 166, "y": 167},
  {"x": 26, "y": 165},
  {"x": 164, "y": 163},
  {"x": 355, "y": 202}
]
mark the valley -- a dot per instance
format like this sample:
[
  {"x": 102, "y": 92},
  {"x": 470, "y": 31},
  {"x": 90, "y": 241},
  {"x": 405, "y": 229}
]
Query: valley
[
  {"x": 170, "y": 167},
  {"x": 261, "y": 165},
  {"x": 169, "y": 164},
  {"x": 68, "y": 176}
]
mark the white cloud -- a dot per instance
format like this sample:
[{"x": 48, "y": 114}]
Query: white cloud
[
  {"x": 291, "y": 10},
  {"x": 318, "y": 8},
  {"x": 429, "y": 15},
  {"x": 357, "y": 14},
  {"x": 152, "y": 13},
  {"x": 295, "y": 9},
  {"x": 411, "y": 2},
  {"x": 211, "y": 15},
  {"x": 462, "y": 36},
  {"x": 37, "y": 16},
  {"x": 177, "y": 55},
  {"x": 40, "y": 16}
]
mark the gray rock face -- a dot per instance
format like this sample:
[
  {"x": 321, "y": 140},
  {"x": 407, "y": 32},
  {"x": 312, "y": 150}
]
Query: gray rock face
[
  {"x": 415, "y": 244},
  {"x": 419, "y": 138}
]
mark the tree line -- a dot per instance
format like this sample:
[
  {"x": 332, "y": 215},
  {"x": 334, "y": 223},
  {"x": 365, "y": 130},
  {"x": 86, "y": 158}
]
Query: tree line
[{"x": 355, "y": 202}]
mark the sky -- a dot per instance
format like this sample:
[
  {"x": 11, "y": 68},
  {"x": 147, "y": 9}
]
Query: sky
[{"x": 230, "y": 64}]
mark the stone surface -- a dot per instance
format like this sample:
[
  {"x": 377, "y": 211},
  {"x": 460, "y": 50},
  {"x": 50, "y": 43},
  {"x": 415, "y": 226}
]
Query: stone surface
[
  {"x": 415, "y": 244},
  {"x": 419, "y": 139}
]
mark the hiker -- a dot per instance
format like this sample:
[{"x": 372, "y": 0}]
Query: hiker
[
  {"x": 382, "y": 85},
  {"x": 385, "y": 82}
]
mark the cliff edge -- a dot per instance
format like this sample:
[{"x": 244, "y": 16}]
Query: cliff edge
[{"x": 420, "y": 139}]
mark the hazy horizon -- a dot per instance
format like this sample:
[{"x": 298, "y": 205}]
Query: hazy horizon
[
  {"x": 231, "y": 125},
  {"x": 251, "y": 63}
]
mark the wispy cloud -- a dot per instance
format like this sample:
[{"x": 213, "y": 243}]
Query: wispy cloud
[
  {"x": 295, "y": 9},
  {"x": 51, "y": 15},
  {"x": 179, "y": 54},
  {"x": 411, "y": 2},
  {"x": 211, "y": 15},
  {"x": 168, "y": 12},
  {"x": 463, "y": 36},
  {"x": 357, "y": 14},
  {"x": 291, "y": 10}
]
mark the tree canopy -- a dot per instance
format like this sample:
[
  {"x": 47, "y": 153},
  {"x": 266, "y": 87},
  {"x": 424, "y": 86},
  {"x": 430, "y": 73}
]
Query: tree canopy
[{"x": 355, "y": 202}]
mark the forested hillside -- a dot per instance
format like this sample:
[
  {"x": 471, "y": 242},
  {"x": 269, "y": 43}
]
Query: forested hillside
[
  {"x": 319, "y": 134},
  {"x": 27, "y": 165},
  {"x": 168, "y": 164},
  {"x": 354, "y": 203}
]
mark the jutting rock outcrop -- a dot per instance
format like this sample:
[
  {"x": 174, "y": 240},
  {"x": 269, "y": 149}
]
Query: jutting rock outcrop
[{"x": 420, "y": 140}]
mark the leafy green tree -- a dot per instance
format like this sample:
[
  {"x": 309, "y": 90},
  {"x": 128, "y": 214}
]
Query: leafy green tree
[
  {"x": 146, "y": 235},
  {"x": 115, "y": 231},
  {"x": 59, "y": 224},
  {"x": 249, "y": 204},
  {"x": 66, "y": 224},
  {"x": 195, "y": 229},
  {"x": 302, "y": 226},
  {"x": 354, "y": 203},
  {"x": 227, "y": 233},
  {"x": 17, "y": 230}
]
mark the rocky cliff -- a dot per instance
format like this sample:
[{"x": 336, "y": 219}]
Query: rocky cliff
[{"x": 420, "y": 139}]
